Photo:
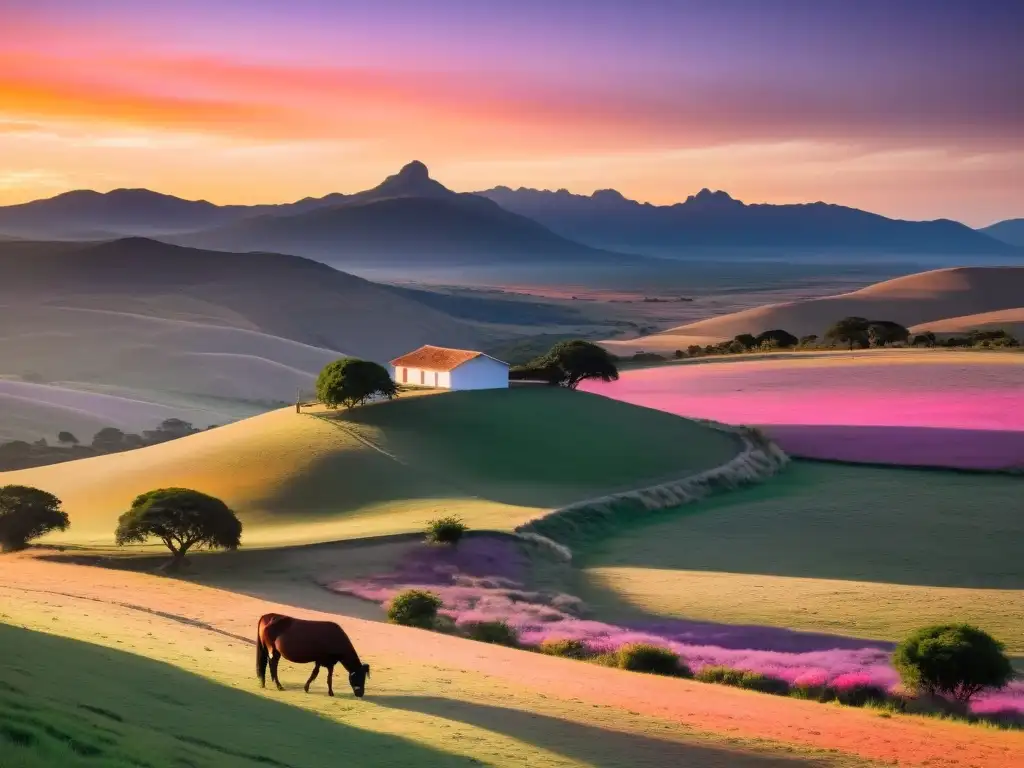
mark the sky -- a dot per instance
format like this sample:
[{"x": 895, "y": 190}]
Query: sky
[{"x": 910, "y": 108}]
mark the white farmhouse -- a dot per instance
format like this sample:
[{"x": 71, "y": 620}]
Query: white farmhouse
[{"x": 450, "y": 369}]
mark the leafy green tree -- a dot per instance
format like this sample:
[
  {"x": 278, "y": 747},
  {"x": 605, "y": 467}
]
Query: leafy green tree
[
  {"x": 182, "y": 519},
  {"x": 108, "y": 440},
  {"x": 579, "y": 360},
  {"x": 778, "y": 337},
  {"x": 883, "y": 332},
  {"x": 850, "y": 330},
  {"x": 27, "y": 513},
  {"x": 954, "y": 660},
  {"x": 748, "y": 340},
  {"x": 351, "y": 382},
  {"x": 66, "y": 438}
]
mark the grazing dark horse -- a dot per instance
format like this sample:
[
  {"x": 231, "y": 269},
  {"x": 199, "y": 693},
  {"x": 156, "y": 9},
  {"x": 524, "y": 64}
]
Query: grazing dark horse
[{"x": 321, "y": 643}]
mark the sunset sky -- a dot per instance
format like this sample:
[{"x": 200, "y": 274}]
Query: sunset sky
[{"x": 911, "y": 108}]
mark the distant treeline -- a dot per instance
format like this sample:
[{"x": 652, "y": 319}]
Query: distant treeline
[
  {"x": 19, "y": 454},
  {"x": 850, "y": 332}
]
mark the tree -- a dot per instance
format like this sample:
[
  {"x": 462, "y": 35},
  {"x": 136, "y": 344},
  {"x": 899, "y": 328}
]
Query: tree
[
  {"x": 954, "y": 660},
  {"x": 678, "y": 354},
  {"x": 27, "y": 513},
  {"x": 782, "y": 339},
  {"x": 809, "y": 340},
  {"x": 578, "y": 360},
  {"x": 882, "y": 332},
  {"x": 850, "y": 330},
  {"x": 182, "y": 519},
  {"x": 694, "y": 350},
  {"x": 66, "y": 438},
  {"x": 108, "y": 440},
  {"x": 351, "y": 382},
  {"x": 747, "y": 340}
]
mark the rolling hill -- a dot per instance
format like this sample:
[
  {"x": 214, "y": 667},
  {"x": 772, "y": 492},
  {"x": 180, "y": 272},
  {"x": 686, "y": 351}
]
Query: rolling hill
[
  {"x": 1010, "y": 231},
  {"x": 410, "y": 219},
  {"x": 716, "y": 221},
  {"x": 388, "y": 468},
  {"x": 142, "y": 314},
  {"x": 913, "y": 300},
  {"x": 1009, "y": 320}
]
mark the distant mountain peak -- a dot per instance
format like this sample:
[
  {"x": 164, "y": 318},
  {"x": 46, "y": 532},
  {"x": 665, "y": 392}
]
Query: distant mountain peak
[
  {"x": 413, "y": 180},
  {"x": 414, "y": 171},
  {"x": 609, "y": 195},
  {"x": 707, "y": 199}
]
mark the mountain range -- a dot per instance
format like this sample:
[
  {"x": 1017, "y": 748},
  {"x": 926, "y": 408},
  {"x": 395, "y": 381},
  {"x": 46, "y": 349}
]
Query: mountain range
[
  {"x": 411, "y": 219},
  {"x": 1010, "y": 231},
  {"x": 715, "y": 220}
]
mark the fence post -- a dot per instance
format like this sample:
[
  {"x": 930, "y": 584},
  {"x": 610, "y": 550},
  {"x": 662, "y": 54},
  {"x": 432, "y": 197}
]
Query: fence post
[{"x": 298, "y": 400}]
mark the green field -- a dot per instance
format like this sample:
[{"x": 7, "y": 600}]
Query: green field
[
  {"x": 850, "y": 550},
  {"x": 498, "y": 458}
]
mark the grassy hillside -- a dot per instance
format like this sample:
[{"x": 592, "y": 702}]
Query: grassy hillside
[
  {"x": 864, "y": 552},
  {"x": 166, "y": 676},
  {"x": 495, "y": 457}
]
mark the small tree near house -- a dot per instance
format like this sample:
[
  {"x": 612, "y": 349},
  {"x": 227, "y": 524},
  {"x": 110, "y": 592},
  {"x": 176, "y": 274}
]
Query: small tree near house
[
  {"x": 182, "y": 519},
  {"x": 351, "y": 382}
]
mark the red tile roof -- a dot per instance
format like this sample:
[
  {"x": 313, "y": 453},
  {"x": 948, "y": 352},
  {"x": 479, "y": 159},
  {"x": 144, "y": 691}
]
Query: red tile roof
[{"x": 431, "y": 358}]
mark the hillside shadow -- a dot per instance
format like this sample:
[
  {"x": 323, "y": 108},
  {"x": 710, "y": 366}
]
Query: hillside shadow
[
  {"x": 591, "y": 744},
  {"x": 916, "y": 527},
  {"x": 62, "y": 699}
]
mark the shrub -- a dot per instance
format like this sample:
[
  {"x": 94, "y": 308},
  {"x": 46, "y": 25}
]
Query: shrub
[
  {"x": 445, "y": 625},
  {"x": 751, "y": 681},
  {"x": 27, "y": 513},
  {"x": 565, "y": 647},
  {"x": 494, "y": 632},
  {"x": 954, "y": 660},
  {"x": 446, "y": 530},
  {"x": 861, "y": 694},
  {"x": 643, "y": 657},
  {"x": 720, "y": 675},
  {"x": 414, "y": 608},
  {"x": 694, "y": 350}
]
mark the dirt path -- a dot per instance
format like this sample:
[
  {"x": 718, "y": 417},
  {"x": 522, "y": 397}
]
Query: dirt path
[{"x": 729, "y": 713}]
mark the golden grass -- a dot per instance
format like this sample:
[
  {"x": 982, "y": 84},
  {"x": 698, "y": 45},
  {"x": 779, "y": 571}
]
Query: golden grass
[
  {"x": 496, "y": 458},
  {"x": 435, "y": 692}
]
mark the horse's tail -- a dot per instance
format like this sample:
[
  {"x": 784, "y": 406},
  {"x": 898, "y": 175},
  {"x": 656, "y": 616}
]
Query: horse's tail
[{"x": 262, "y": 657}]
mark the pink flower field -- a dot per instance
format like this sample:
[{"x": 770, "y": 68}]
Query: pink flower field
[
  {"x": 965, "y": 415},
  {"x": 482, "y": 580}
]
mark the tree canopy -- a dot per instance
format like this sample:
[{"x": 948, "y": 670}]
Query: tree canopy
[
  {"x": 27, "y": 513},
  {"x": 955, "y": 660},
  {"x": 850, "y": 330},
  {"x": 776, "y": 337},
  {"x": 577, "y": 360},
  {"x": 182, "y": 519},
  {"x": 351, "y": 382},
  {"x": 748, "y": 340},
  {"x": 883, "y": 332},
  {"x": 67, "y": 438}
]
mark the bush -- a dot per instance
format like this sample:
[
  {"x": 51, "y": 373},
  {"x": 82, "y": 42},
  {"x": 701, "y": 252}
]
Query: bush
[
  {"x": 27, "y": 513},
  {"x": 445, "y": 625},
  {"x": 861, "y": 695},
  {"x": 494, "y": 632},
  {"x": 720, "y": 676},
  {"x": 414, "y": 608},
  {"x": 751, "y": 681},
  {"x": 565, "y": 647},
  {"x": 954, "y": 660},
  {"x": 810, "y": 692},
  {"x": 446, "y": 530},
  {"x": 643, "y": 657}
]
